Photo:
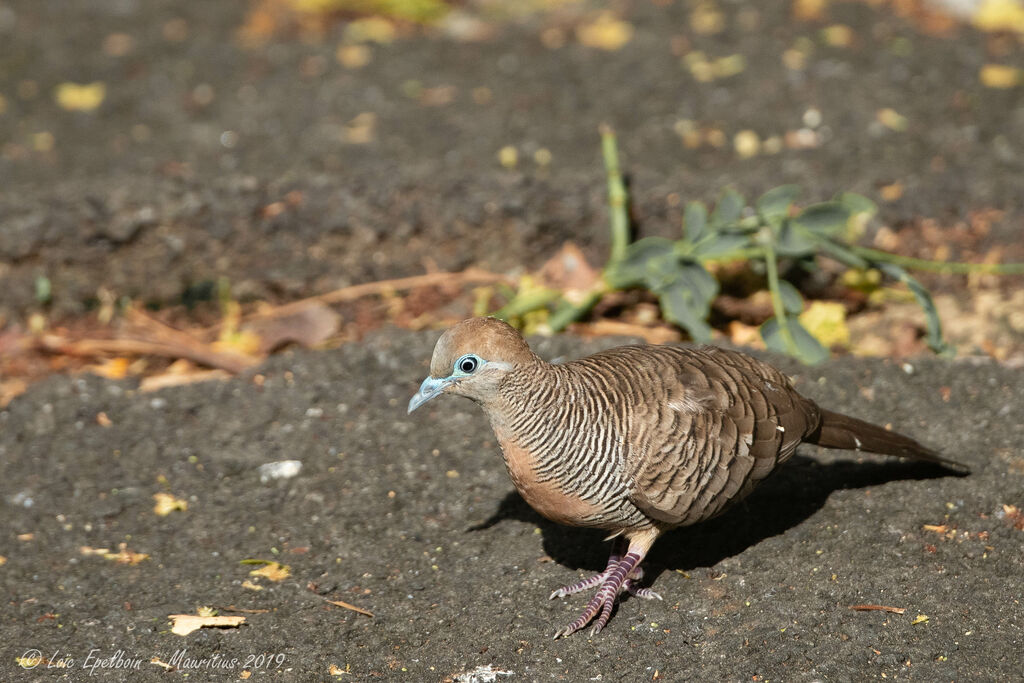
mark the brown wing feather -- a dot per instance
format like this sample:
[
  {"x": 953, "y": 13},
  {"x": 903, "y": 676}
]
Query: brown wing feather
[{"x": 696, "y": 457}]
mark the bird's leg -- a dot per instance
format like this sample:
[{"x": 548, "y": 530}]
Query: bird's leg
[
  {"x": 630, "y": 585},
  {"x": 618, "y": 548},
  {"x": 613, "y": 580}
]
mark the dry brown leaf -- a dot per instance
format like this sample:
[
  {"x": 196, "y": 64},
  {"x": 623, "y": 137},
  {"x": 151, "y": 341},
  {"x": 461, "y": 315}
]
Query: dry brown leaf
[
  {"x": 187, "y": 623},
  {"x": 891, "y": 192},
  {"x": 167, "y": 503},
  {"x": 568, "y": 270},
  {"x": 274, "y": 571},
  {"x": 177, "y": 379},
  {"x": 251, "y": 586},
  {"x": 353, "y": 56},
  {"x": 10, "y": 389},
  {"x": 878, "y": 608},
  {"x": 112, "y": 368},
  {"x": 102, "y": 420},
  {"x": 361, "y": 130},
  {"x": 125, "y": 556},
  {"x": 809, "y": 10},
  {"x": 306, "y": 326},
  {"x": 162, "y": 664},
  {"x": 122, "y": 556},
  {"x": 342, "y": 603},
  {"x": 1014, "y": 516},
  {"x": 661, "y": 334},
  {"x": 232, "y": 608}
]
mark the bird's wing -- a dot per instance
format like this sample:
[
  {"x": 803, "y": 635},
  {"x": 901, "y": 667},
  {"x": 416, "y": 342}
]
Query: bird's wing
[{"x": 716, "y": 426}]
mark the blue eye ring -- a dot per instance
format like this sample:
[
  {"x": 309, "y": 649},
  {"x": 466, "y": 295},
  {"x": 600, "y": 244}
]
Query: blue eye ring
[{"x": 468, "y": 364}]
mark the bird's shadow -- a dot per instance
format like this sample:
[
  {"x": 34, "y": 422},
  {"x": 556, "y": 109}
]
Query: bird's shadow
[{"x": 794, "y": 493}]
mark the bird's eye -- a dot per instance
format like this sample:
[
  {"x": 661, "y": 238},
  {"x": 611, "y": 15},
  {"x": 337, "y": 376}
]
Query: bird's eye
[{"x": 467, "y": 364}]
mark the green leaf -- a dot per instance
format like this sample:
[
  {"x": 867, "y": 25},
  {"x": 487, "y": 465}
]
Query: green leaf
[
  {"x": 719, "y": 244},
  {"x": 924, "y": 298},
  {"x": 828, "y": 218},
  {"x": 727, "y": 211},
  {"x": 791, "y": 299},
  {"x": 808, "y": 349},
  {"x": 702, "y": 283},
  {"x": 774, "y": 204},
  {"x": 632, "y": 270},
  {"x": 661, "y": 271},
  {"x": 857, "y": 203},
  {"x": 695, "y": 220},
  {"x": 842, "y": 254},
  {"x": 794, "y": 240},
  {"x": 44, "y": 290},
  {"x": 686, "y": 299},
  {"x": 680, "y": 306}
]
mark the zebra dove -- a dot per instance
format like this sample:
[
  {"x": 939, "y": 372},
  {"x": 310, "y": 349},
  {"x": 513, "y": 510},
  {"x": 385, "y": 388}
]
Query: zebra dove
[{"x": 637, "y": 440}]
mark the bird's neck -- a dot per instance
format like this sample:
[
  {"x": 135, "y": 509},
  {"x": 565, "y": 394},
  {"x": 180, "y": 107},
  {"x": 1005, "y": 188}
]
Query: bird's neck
[{"x": 527, "y": 388}]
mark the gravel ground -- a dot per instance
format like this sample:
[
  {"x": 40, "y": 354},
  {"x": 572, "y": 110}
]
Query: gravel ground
[
  {"x": 166, "y": 186},
  {"x": 207, "y": 159},
  {"x": 414, "y": 519}
]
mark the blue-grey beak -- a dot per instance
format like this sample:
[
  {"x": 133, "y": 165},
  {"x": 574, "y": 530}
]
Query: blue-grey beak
[{"x": 431, "y": 387}]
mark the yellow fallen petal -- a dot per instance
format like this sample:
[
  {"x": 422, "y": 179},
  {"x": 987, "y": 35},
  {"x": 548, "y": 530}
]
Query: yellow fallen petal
[
  {"x": 826, "y": 321},
  {"x": 166, "y": 504},
  {"x": 80, "y": 96},
  {"x": 606, "y": 32},
  {"x": 891, "y": 119},
  {"x": 508, "y": 156},
  {"x": 1000, "y": 15},
  {"x": 1001, "y": 76}
]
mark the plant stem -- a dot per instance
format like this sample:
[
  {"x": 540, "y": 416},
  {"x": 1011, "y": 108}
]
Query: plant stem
[
  {"x": 772, "y": 269},
  {"x": 525, "y": 303},
  {"x": 735, "y": 255},
  {"x": 940, "y": 266},
  {"x": 567, "y": 312},
  {"x": 616, "y": 195}
]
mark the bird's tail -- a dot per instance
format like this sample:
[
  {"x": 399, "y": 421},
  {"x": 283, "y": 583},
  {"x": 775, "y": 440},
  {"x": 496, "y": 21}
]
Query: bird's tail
[{"x": 842, "y": 431}]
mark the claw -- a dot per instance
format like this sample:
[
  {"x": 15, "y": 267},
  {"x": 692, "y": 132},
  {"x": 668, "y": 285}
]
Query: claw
[{"x": 619, "y": 576}]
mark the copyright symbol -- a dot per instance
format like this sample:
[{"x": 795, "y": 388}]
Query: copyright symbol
[{"x": 31, "y": 659}]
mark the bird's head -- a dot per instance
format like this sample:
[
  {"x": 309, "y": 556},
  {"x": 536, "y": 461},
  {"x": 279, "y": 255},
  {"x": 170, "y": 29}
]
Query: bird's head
[{"x": 471, "y": 358}]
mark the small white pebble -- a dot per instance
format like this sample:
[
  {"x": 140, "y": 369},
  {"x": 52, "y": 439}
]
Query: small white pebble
[{"x": 284, "y": 469}]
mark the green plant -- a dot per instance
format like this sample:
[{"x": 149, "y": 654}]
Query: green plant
[{"x": 767, "y": 232}]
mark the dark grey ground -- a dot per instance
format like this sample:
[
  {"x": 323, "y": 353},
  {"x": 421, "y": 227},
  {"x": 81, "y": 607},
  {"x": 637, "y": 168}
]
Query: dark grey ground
[
  {"x": 144, "y": 198},
  {"x": 457, "y": 569}
]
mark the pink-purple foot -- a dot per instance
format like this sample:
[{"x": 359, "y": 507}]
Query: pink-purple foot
[
  {"x": 629, "y": 585},
  {"x": 612, "y": 582},
  {"x": 588, "y": 583}
]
